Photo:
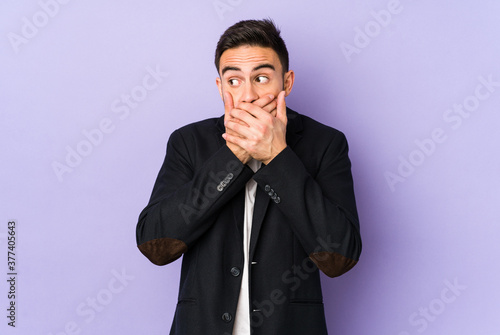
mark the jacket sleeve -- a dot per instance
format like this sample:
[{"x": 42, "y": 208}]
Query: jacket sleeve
[
  {"x": 321, "y": 210},
  {"x": 185, "y": 199}
]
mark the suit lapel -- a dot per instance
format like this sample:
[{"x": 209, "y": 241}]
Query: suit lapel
[
  {"x": 259, "y": 211},
  {"x": 262, "y": 200},
  {"x": 238, "y": 205},
  {"x": 293, "y": 129}
]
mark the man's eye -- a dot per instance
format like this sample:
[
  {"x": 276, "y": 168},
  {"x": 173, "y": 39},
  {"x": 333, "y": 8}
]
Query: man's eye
[
  {"x": 233, "y": 82},
  {"x": 262, "y": 79}
]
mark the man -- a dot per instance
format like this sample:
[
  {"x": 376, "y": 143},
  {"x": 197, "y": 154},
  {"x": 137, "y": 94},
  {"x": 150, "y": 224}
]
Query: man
[{"x": 256, "y": 201}]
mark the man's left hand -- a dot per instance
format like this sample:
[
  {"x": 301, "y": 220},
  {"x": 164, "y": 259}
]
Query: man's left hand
[{"x": 264, "y": 135}]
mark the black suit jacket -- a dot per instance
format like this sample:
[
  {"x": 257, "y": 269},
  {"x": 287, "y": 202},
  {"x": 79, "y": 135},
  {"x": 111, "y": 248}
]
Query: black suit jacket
[{"x": 305, "y": 219}]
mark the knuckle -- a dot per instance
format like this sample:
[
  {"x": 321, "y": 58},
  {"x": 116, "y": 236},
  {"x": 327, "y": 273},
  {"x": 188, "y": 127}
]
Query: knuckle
[
  {"x": 243, "y": 105},
  {"x": 268, "y": 118}
]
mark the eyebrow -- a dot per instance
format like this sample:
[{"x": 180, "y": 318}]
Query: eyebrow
[{"x": 262, "y": 66}]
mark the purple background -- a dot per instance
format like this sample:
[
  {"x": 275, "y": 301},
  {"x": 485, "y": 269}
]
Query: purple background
[{"x": 437, "y": 228}]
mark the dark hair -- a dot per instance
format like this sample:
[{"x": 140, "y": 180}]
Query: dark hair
[{"x": 262, "y": 33}]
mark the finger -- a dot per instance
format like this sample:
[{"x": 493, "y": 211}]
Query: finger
[
  {"x": 234, "y": 140},
  {"x": 237, "y": 129},
  {"x": 281, "y": 107},
  {"x": 266, "y": 103},
  {"x": 259, "y": 109},
  {"x": 228, "y": 104},
  {"x": 245, "y": 117},
  {"x": 233, "y": 119},
  {"x": 254, "y": 111},
  {"x": 232, "y": 132},
  {"x": 273, "y": 112},
  {"x": 265, "y": 100},
  {"x": 270, "y": 106}
]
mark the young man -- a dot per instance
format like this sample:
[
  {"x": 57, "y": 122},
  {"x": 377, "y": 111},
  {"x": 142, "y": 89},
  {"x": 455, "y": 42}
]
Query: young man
[{"x": 256, "y": 200}]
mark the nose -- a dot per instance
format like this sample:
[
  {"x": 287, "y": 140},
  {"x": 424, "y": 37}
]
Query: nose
[{"x": 249, "y": 94}]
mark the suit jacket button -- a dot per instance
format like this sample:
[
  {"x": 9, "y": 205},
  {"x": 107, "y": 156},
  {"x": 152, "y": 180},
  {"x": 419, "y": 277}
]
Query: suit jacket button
[
  {"x": 235, "y": 271},
  {"x": 277, "y": 200},
  {"x": 226, "y": 317},
  {"x": 267, "y": 188}
]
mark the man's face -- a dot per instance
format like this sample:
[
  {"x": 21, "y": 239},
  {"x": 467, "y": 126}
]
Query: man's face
[{"x": 251, "y": 72}]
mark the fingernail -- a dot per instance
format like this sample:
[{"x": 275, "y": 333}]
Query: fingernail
[{"x": 271, "y": 96}]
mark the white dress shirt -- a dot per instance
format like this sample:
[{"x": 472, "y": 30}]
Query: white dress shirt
[{"x": 242, "y": 319}]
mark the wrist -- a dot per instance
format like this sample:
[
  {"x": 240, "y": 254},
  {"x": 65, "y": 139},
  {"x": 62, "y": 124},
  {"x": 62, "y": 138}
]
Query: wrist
[{"x": 267, "y": 161}]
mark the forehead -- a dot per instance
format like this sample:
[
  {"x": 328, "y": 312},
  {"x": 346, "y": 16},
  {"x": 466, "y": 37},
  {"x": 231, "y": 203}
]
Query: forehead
[{"x": 247, "y": 57}]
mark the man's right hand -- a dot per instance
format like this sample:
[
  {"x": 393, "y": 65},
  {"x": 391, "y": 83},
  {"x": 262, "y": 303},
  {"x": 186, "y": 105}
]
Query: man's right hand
[{"x": 267, "y": 103}]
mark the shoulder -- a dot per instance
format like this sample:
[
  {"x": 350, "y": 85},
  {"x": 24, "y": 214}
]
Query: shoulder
[
  {"x": 314, "y": 130},
  {"x": 211, "y": 124},
  {"x": 199, "y": 130}
]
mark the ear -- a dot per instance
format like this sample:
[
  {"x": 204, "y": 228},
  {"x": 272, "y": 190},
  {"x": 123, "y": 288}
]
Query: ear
[
  {"x": 288, "y": 82},
  {"x": 219, "y": 86}
]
